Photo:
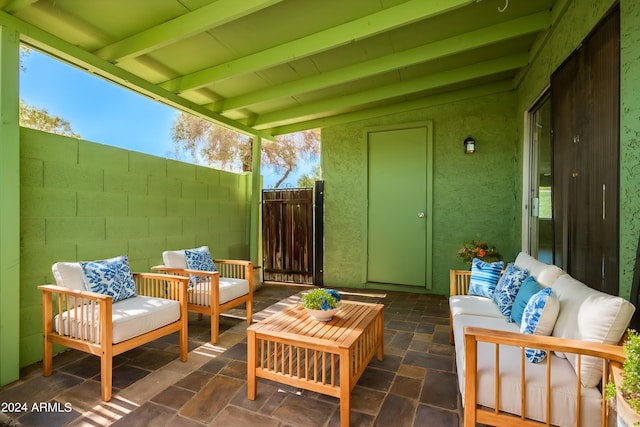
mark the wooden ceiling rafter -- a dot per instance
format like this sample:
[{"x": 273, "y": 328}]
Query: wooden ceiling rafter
[
  {"x": 181, "y": 27},
  {"x": 367, "y": 26}
]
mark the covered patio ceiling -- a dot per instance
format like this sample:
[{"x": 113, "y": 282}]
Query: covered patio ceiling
[{"x": 271, "y": 67}]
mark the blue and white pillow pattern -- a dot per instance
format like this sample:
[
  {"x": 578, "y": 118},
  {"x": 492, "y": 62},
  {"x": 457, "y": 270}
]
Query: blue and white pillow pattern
[
  {"x": 199, "y": 259},
  {"x": 110, "y": 277},
  {"x": 507, "y": 288},
  {"x": 484, "y": 277},
  {"x": 538, "y": 318}
]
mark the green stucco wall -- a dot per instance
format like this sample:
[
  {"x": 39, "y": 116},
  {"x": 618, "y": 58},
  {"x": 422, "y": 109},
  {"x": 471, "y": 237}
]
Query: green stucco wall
[
  {"x": 474, "y": 196},
  {"x": 497, "y": 123},
  {"x": 629, "y": 141},
  {"x": 83, "y": 201}
]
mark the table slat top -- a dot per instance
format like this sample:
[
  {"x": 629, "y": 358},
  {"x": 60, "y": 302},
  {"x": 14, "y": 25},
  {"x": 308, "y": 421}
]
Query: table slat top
[{"x": 295, "y": 322}]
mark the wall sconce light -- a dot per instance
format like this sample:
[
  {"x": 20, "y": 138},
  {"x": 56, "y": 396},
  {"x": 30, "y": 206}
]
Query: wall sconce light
[{"x": 469, "y": 145}]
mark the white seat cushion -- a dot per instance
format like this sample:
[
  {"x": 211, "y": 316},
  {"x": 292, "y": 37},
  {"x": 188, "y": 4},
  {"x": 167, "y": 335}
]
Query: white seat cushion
[
  {"x": 563, "y": 380},
  {"x": 474, "y": 305},
  {"x": 545, "y": 274},
  {"x": 230, "y": 289},
  {"x": 131, "y": 317}
]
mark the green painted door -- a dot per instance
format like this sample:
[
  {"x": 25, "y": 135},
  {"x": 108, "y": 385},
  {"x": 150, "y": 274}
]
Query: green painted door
[{"x": 397, "y": 211}]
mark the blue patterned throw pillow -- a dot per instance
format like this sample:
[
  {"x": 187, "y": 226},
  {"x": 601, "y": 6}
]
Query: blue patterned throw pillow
[
  {"x": 507, "y": 288},
  {"x": 199, "y": 259},
  {"x": 538, "y": 318},
  {"x": 484, "y": 277},
  {"x": 110, "y": 277}
]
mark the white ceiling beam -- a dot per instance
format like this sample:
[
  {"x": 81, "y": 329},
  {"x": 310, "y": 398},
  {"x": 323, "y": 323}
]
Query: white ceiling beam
[
  {"x": 181, "y": 27},
  {"x": 367, "y": 26}
]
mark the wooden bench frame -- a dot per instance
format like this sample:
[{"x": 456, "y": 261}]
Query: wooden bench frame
[
  {"x": 90, "y": 329},
  {"x": 612, "y": 355},
  {"x": 238, "y": 269}
]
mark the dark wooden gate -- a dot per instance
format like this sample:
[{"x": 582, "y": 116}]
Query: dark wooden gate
[{"x": 290, "y": 229}]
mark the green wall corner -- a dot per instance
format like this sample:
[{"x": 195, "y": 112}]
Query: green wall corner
[{"x": 10, "y": 261}]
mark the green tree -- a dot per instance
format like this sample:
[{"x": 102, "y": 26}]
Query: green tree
[
  {"x": 308, "y": 180},
  {"x": 40, "y": 119},
  {"x": 208, "y": 144}
]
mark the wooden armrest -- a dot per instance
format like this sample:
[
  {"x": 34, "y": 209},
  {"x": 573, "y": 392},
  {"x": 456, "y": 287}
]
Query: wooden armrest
[
  {"x": 73, "y": 292},
  {"x": 609, "y": 351},
  {"x": 159, "y": 285},
  {"x": 89, "y": 318},
  {"x": 232, "y": 261},
  {"x": 183, "y": 271},
  {"x": 147, "y": 284},
  {"x": 239, "y": 269}
]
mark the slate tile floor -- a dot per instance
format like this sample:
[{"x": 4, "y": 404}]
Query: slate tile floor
[{"x": 415, "y": 384}]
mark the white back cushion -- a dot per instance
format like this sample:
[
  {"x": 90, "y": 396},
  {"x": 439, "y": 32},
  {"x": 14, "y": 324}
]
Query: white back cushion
[
  {"x": 69, "y": 275},
  {"x": 174, "y": 259},
  {"x": 589, "y": 315},
  {"x": 545, "y": 274}
]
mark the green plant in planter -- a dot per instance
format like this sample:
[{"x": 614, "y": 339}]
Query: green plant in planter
[
  {"x": 478, "y": 249},
  {"x": 321, "y": 299},
  {"x": 630, "y": 387}
]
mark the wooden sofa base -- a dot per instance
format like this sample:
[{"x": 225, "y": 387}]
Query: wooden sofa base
[{"x": 473, "y": 413}]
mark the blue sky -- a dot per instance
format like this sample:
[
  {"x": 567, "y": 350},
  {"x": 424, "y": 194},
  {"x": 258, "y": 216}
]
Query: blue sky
[
  {"x": 103, "y": 112},
  {"x": 98, "y": 110}
]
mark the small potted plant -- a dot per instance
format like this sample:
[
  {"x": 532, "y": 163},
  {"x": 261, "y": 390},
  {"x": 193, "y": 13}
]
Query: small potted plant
[
  {"x": 625, "y": 388},
  {"x": 478, "y": 249},
  {"x": 321, "y": 303}
]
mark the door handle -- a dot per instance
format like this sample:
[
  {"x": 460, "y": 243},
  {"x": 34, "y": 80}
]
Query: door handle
[{"x": 421, "y": 215}]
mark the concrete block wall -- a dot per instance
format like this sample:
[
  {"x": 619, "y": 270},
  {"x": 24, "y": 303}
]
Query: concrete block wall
[{"x": 84, "y": 201}]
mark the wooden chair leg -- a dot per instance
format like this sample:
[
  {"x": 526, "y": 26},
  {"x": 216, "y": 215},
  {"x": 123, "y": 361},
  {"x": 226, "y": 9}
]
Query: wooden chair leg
[
  {"x": 184, "y": 341},
  {"x": 47, "y": 357},
  {"x": 47, "y": 328},
  {"x": 106, "y": 374},
  {"x": 215, "y": 325},
  {"x": 249, "y": 311}
]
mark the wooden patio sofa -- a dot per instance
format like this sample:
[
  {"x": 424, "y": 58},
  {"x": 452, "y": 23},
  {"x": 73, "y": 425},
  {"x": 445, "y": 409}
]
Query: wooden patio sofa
[{"x": 501, "y": 387}]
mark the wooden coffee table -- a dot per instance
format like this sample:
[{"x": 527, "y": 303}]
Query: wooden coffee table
[{"x": 326, "y": 357}]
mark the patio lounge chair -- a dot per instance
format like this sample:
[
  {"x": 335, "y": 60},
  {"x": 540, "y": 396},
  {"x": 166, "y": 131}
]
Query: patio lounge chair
[
  {"x": 215, "y": 286},
  {"x": 121, "y": 311}
]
